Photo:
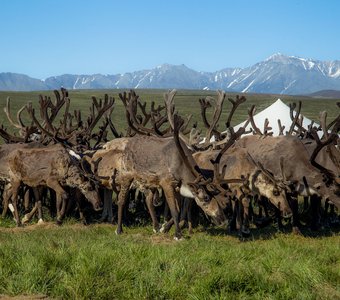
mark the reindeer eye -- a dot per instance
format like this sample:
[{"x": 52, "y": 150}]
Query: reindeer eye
[{"x": 276, "y": 193}]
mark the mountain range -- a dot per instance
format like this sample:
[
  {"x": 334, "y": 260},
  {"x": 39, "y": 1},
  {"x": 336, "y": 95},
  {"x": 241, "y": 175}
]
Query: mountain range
[{"x": 278, "y": 74}]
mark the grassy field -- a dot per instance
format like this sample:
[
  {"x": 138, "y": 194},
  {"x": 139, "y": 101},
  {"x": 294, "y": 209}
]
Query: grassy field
[
  {"x": 90, "y": 262},
  {"x": 78, "y": 262}
]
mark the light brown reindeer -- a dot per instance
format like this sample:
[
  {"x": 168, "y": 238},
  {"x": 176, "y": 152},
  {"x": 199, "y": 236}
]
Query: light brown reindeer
[
  {"x": 149, "y": 162},
  {"x": 52, "y": 166}
]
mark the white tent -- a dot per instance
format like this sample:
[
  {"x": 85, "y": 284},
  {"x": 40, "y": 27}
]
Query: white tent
[{"x": 278, "y": 110}]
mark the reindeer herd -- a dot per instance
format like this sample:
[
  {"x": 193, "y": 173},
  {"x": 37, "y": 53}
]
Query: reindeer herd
[{"x": 60, "y": 159}]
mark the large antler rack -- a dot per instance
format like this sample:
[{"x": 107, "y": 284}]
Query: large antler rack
[
  {"x": 295, "y": 119},
  {"x": 329, "y": 138},
  {"x": 297, "y": 122},
  {"x": 19, "y": 124},
  {"x": 48, "y": 112},
  {"x": 156, "y": 118},
  {"x": 205, "y": 103},
  {"x": 97, "y": 110},
  {"x": 170, "y": 110},
  {"x": 226, "y": 136},
  {"x": 52, "y": 134},
  {"x": 74, "y": 135},
  {"x": 178, "y": 122},
  {"x": 331, "y": 124},
  {"x": 9, "y": 138},
  {"x": 267, "y": 129},
  {"x": 137, "y": 122},
  {"x": 25, "y": 132},
  {"x": 251, "y": 113},
  {"x": 212, "y": 129},
  {"x": 235, "y": 105}
]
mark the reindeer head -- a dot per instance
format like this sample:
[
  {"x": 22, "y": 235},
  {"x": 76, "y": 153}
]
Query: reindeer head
[
  {"x": 81, "y": 176},
  {"x": 207, "y": 201},
  {"x": 274, "y": 189}
]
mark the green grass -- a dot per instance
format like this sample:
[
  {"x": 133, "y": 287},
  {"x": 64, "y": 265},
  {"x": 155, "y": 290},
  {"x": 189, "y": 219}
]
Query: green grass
[{"x": 77, "y": 262}]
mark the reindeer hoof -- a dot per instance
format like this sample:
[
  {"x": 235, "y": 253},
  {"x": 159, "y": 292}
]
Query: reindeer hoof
[
  {"x": 118, "y": 231},
  {"x": 182, "y": 224},
  {"x": 19, "y": 224},
  {"x": 25, "y": 219},
  {"x": 41, "y": 221},
  {"x": 178, "y": 238},
  {"x": 163, "y": 228},
  {"x": 244, "y": 233},
  {"x": 296, "y": 230},
  {"x": 156, "y": 229}
]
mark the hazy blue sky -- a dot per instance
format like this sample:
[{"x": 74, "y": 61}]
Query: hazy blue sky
[{"x": 42, "y": 38}]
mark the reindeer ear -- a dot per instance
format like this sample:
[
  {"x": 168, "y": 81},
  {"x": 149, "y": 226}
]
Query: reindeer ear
[
  {"x": 317, "y": 186},
  {"x": 193, "y": 186}
]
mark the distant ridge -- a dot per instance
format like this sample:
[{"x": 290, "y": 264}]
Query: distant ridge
[
  {"x": 326, "y": 94},
  {"x": 278, "y": 74}
]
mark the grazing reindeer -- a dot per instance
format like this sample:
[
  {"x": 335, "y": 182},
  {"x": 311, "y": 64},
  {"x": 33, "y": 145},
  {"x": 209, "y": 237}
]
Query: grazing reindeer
[
  {"x": 258, "y": 181},
  {"x": 50, "y": 166},
  {"x": 149, "y": 162}
]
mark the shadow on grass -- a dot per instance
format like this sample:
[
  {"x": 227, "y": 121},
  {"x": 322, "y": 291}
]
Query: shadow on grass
[{"x": 271, "y": 231}]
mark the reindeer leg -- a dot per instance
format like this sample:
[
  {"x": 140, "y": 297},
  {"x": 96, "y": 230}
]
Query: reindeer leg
[
  {"x": 15, "y": 189},
  {"x": 38, "y": 195},
  {"x": 122, "y": 196},
  {"x": 61, "y": 206},
  {"x": 333, "y": 216},
  {"x": 107, "y": 213},
  {"x": 239, "y": 213},
  {"x": 27, "y": 196},
  {"x": 245, "y": 209},
  {"x": 173, "y": 206},
  {"x": 295, "y": 218},
  {"x": 7, "y": 194},
  {"x": 61, "y": 198},
  {"x": 108, "y": 198},
  {"x": 36, "y": 208},
  {"x": 105, "y": 210},
  {"x": 151, "y": 208},
  {"x": 232, "y": 224},
  {"x": 190, "y": 216},
  {"x": 182, "y": 211},
  {"x": 27, "y": 217},
  {"x": 315, "y": 207},
  {"x": 278, "y": 219}
]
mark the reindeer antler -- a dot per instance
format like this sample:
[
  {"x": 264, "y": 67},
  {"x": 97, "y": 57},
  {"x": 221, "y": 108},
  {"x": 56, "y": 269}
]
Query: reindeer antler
[
  {"x": 19, "y": 124},
  {"x": 235, "y": 105},
  {"x": 251, "y": 112},
  {"x": 216, "y": 117},
  {"x": 331, "y": 137}
]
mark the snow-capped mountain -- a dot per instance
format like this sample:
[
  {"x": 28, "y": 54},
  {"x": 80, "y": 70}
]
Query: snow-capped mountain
[
  {"x": 287, "y": 75},
  {"x": 279, "y": 74}
]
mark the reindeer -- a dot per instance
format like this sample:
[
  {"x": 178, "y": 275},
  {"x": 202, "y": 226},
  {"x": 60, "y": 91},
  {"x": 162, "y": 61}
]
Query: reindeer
[
  {"x": 237, "y": 162},
  {"x": 257, "y": 180},
  {"x": 150, "y": 162},
  {"x": 298, "y": 172},
  {"x": 52, "y": 166},
  {"x": 76, "y": 135}
]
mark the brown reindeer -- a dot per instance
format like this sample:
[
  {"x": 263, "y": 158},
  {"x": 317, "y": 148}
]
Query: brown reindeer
[
  {"x": 52, "y": 166},
  {"x": 239, "y": 164},
  {"x": 149, "y": 162}
]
